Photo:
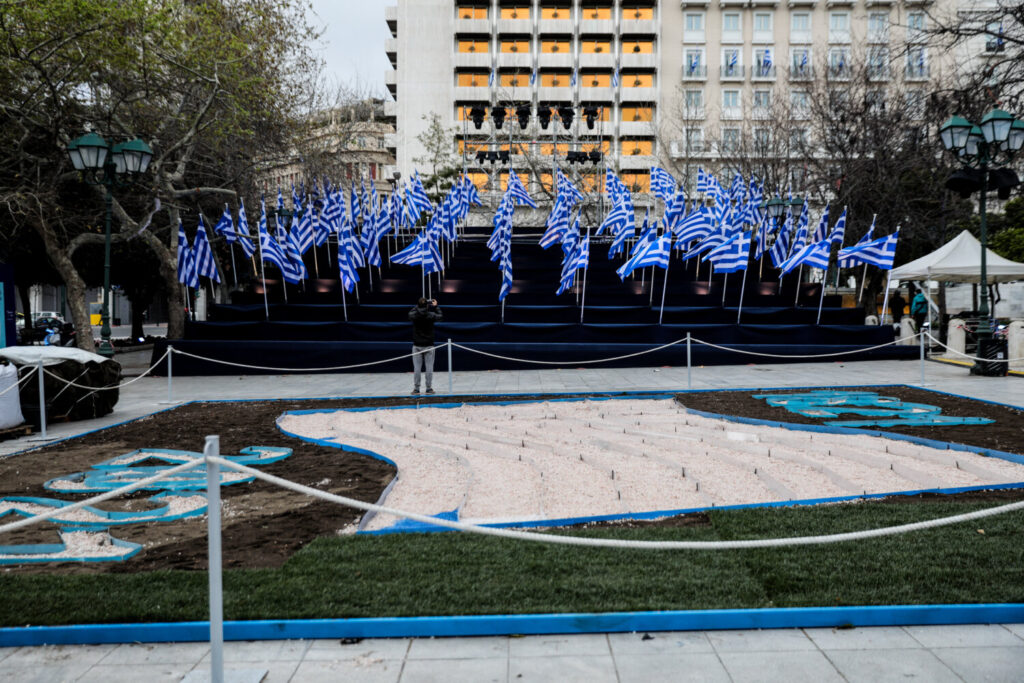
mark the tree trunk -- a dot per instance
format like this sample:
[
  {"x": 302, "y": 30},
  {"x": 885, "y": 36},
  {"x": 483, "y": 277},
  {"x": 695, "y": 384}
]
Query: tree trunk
[
  {"x": 61, "y": 260},
  {"x": 138, "y": 313},
  {"x": 169, "y": 275},
  {"x": 25, "y": 294}
]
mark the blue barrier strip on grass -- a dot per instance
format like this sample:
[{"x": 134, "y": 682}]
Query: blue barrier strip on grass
[{"x": 519, "y": 624}]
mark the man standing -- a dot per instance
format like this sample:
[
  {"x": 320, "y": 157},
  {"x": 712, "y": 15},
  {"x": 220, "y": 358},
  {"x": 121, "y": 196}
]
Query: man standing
[
  {"x": 919, "y": 309},
  {"x": 423, "y": 316}
]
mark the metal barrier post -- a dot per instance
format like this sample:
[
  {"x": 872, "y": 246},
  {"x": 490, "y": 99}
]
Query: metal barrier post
[
  {"x": 921, "y": 345},
  {"x": 42, "y": 399},
  {"x": 170, "y": 374},
  {"x": 449, "y": 365},
  {"x": 689, "y": 377},
  {"x": 212, "y": 448}
]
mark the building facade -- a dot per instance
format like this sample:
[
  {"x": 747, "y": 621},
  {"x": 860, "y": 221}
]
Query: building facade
[{"x": 679, "y": 83}]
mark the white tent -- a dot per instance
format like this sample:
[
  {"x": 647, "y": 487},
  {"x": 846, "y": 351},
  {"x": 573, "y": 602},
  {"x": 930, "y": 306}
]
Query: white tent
[{"x": 960, "y": 261}]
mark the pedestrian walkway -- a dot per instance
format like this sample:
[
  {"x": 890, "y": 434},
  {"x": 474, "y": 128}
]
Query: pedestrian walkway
[{"x": 925, "y": 653}]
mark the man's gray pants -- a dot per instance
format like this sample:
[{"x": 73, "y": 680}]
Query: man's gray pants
[{"x": 423, "y": 358}]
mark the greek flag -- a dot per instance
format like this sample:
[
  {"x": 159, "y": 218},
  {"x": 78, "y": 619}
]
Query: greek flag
[
  {"x": 780, "y": 250},
  {"x": 675, "y": 210},
  {"x": 646, "y": 238},
  {"x": 574, "y": 261},
  {"x": 320, "y": 229},
  {"x": 270, "y": 248},
  {"x": 574, "y": 79},
  {"x": 731, "y": 255},
  {"x": 490, "y": 80},
  {"x": 733, "y": 59},
  {"x": 302, "y": 229},
  {"x": 616, "y": 78},
  {"x": 346, "y": 268},
  {"x": 533, "y": 78},
  {"x": 868, "y": 236},
  {"x": 702, "y": 181},
  {"x": 800, "y": 241},
  {"x": 656, "y": 254},
  {"x": 517, "y": 192},
  {"x": 839, "y": 230},
  {"x": 766, "y": 62},
  {"x": 815, "y": 255},
  {"x": 557, "y": 225},
  {"x": 203, "y": 254},
  {"x": 696, "y": 226},
  {"x": 663, "y": 185},
  {"x": 880, "y": 252},
  {"x": 763, "y": 230},
  {"x": 187, "y": 274},
  {"x": 225, "y": 226},
  {"x": 417, "y": 196},
  {"x": 296, "y": 272},
  {"x": 822, "y": 230},
  {"x": 565, "y": 187}
]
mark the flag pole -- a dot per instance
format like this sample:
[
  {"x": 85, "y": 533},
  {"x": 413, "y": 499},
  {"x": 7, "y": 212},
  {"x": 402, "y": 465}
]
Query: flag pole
[
  {"x": 743, "y": 290},
  {"x": 344, "y": 303},
  {"x": 885, "y": 300},
  {"x": 821, "y": 299},
  {"x": 316, "y": 263},
  {"x": 234, "y": 270},
  {"x": 799, "y": 279},
  {"x": 583, "y": 301},
  {"x": 263, "y": 278},
  {"x": 863, "y": 281},
  {"x": 725, "y": 287},
  {"x": 664, "y": 288}
]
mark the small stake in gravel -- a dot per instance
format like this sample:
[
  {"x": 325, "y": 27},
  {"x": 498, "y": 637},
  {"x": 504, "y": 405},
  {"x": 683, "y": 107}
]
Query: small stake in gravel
[
  {"x": 212, "y": 448},
  {"x": 42, "y": 398}
]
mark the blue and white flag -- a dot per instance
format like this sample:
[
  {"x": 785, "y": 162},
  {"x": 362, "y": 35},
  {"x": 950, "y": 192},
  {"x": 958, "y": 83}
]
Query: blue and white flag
[
  {"x": 517, "y": 192},
  {"x": 868, "y": 237},
  {"x": 838, "y": 232},
  {"x": 766, "y": 62},
  {"x": 533, "y": 78},
  {"x": 800, "y": 241},
  {"x": 814, "y": 255},
  {"x": 346, "y": 269},
  {"x": 821, "y": 232},
  {"x": 270, "y": 248},
  {"x": 296, "y": 271},
  {"x": 696, "y": 226},
  {"x": 675, "y": 210},
  {"x": 732, "y": 255},
  {"x": 574, "y": 79},
  {"x": 302, "y": 229},
  {"x": 187, "y": 274},
  {"x": 417, "y": 196},
  {"x": 663, "y": 185},
  {"x": 490, "y": 79},
  {"x": 226, "y": 227},
  {"x": 880, "y": 252},
  {"x": 244, "y": 238},
  {"x": 656, "y": 254},
  {"x": 557, "y": 225},
  {"x": 764, "y": 229},
  {"x": 578, "y": 259},
  {"x": 702, "y": 181},
  {"x": 616, "y": 78},
  {"x": 204, "y": 254}
]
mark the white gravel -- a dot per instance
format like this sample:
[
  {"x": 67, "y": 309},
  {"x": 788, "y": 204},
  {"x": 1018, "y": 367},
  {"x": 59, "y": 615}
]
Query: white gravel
[
  {"x": 81, "y": 544},
  {"x": 176, "y": 505},
  {"x": 584, "y": 458}
]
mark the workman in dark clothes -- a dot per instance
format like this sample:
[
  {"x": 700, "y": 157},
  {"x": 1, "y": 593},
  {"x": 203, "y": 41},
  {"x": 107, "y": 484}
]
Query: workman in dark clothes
[
  {"x": 423, "y": 316},
  {"x": 896, "y": 304}
]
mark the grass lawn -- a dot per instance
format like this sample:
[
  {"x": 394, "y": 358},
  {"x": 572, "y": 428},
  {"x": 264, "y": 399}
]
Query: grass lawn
[{"x": 451, "y": 574}]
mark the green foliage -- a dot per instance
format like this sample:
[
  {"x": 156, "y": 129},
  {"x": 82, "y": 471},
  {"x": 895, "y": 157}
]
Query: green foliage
[
  {"x": 447, "y": 574},
  {"x": 439, "y": 157},
  {"x": 1008, "y": 232}
]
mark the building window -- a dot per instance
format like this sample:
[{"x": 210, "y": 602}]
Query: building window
[
  {"x": 917, "y": 63},
  {"x": 694, "y": 27},
  {"x": 637, "y": 114},
  {"x": 596, "y": 46},
  {"x": 800, "y": 104},
  {"x": 763, "y": 31},
  {"x": 730, "y": 140},
  {"x": 553, "y": 46},
  {"x": 693, "y": 63},
  {"x": 839, "y": 27},
  {"x": 994, "y": 41},
  {"x": 522, "y": 46},
  {"x": 839, "y": 62},
  {"x": 762, "y": 100},
  {"x": 915, "y": 25},
  {"x": 637, "y": 80},
  {"x": 478, "y": 46},
  {"x": 731, "y": 108},
  {"x": 762, "y": 138},
  {"x": 694, "y": 140},
  {"x": 554, "y": 80},
  {"x": 637, "y": 46},
  {"x": 800, "y": 63},
  {"x": 471, "y": 80},
  {"x": 800, "y": 27},
  {"x": 875, "y": 100},
  {"x": 472, "y": 13},
  {"x": 693, "y": 103},
  {"x": 732, "y": 64},
  {"x": 764, "y": 63},
  {"x": 878, "y": 27},
  {"x": 732, "y": 31},
  {"x": 559, "y": 13},
  {"x": 878, "y": 63},
  {"x": 915, "y": 103},
  {"x": 637, "y": 148},
  {"x": 514, "y": 80},
  {"x": 637, "y": 13},
  {"x": 798, "y": 138},
  {"x": 596, "y": 80},
  {"x": 522, "y": 12}
]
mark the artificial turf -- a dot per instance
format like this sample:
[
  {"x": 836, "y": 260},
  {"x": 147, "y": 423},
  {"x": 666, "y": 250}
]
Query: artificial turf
[{"x": 461, "y": 574}]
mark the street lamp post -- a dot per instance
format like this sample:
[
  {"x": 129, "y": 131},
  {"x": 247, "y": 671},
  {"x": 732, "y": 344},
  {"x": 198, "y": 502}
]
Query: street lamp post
[
  {"x": 983, "y": 147},
  {"x": 102, "y": 165}
]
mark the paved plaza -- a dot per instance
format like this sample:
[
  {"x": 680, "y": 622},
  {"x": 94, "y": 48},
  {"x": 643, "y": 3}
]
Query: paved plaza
[{"x": 926, "y": 653}]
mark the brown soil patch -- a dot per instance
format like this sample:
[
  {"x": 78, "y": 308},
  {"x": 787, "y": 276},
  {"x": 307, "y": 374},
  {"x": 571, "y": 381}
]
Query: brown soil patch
[{"x": 265, "y": 525}]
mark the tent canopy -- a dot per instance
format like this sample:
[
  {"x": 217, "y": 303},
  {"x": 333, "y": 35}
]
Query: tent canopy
[{"x": 960, "y": 261}]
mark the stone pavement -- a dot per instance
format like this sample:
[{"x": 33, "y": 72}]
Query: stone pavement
[
  {"x": 932, "y": 653},
  {"x": 925, "y": 653}
]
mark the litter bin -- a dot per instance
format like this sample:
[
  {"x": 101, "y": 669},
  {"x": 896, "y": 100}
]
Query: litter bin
[{"x": 995, "y": 353}]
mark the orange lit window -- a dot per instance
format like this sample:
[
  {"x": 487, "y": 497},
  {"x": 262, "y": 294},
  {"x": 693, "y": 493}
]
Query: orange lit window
[
  {"x": 555, "y": 13},
  {"x": 637, "y": 80},
  {"x": 472, "y": 13},
  {"x": 637, "y": 13},
  {"x": 637, "y": 182},
  {"x": 597, "y": 13},
  {"x": 545, "y": 182},
  {"x": 472, "y": 80},
  {"x": 591, "y": 182},
  {"x": 637, "y": 114},
  {"x": 515, "y": 12},
  {"x": 637, "y": 47},
  {"x": 548, "y": 149},
  {"x": 596, "y": 80},
  {"x": 594, "y": 46},
  {"x": 471, "y": 147},
  {"x": 481, "y": 46},
  {"x": 478, "y": 179},
  {"x": 637, "y": 147},
  {"x": 515, "y": 46},
  {"x": 603, "y": 113},
  {"x": 554, "y": 46},
  {"x": 554, "y": 80},
  {"x": 462, "y": 113},
  {"x": 514, "y": 80}
]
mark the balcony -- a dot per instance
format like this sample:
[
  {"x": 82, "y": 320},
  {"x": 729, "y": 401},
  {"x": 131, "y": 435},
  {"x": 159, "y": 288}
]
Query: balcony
[
  {"x": 638, "y": 94},
  {"x": 760, "y": 113},
  {"x": 838, "y": 36},
  {"x": 520, "y": 60},
  {"x": 799, "y": 37},
  {"x": 556, "y": 26},
  {"x": 599, "y": 94},
  {"x": 693, "y": 113},
  {"x": 391, "y": 142},
  {"x": 732, "y": 36},
  {"x": 559, "y": 94},
  {"x": 637, "y": 128},
  {"x": 762, "y": 73},
  {"x": 598, "y": 60},
  {"x": 732, "y": 114},
  {"x": 879, "y": 72},
  {"x": 391, "y": 81},
  {"x": 596, "y": 26},
  {"x": 637, "y": 162},
  {"x": 878, "y": 3},
  {"x": 639, "y": 60},
  {"x": 916, "y": 72},
  {"x": 391, "y": 17},
  {"x": 695, "y": 73},
  {"x": 472, "y": 60},
  {"x": 735, "y": 4},
  {"x": 733, "y": 73},
  {"x": 554, "y": 60},
  {"x": 514, "y": 26},
  {"x": 876, "y": 37},
  {"x": 802, "y": 3},
  {"x": 469, "y": 93},
  {"x": 391, "y": 49},
  {"x": 838, "y": 73},
  {"x": 839, "y": 3},
  {"x": 801, "y": 73},
  {"x": 475, "y": 26},
  {"x": 390, "y": 111},
  {"x": 763, "y": 3},
  {"x": 632, "y": 27},
  {"x": 763, "y": 37},
  {"x": 693, "y": 3},
  {"x": 679, "y": 149}
]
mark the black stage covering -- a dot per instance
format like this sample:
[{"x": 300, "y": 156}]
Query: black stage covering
[{"x": 619, "y": 318}]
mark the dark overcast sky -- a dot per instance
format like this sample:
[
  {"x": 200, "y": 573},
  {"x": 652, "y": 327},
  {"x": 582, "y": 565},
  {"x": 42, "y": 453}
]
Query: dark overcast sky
[{"x": 353, "y": 40}]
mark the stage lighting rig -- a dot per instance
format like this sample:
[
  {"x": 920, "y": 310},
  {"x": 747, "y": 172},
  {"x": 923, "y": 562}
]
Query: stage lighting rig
[
  {"x": 590, "y": 114},
  {"x": 566, "y": 114},
  {"x": 481, "y": 156},
  {"x": 498, "y": 116},
  {"x": 544, "y": 116},
  {"x": 523, "y": 114},
  {"x": 503, "y": 156},
  {"x": 492, "y": 157},
  {"x": 476, "y": 115},
  {"x": 595, "y": 156}
]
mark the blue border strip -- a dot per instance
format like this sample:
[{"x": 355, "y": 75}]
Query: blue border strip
[{"x": 520, "y": 624}]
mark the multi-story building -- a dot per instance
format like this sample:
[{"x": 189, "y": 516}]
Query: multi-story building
[{"x": 682, "y": 83}]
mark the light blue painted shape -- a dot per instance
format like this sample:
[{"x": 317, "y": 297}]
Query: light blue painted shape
[
  {"x": 891, "y": 412},
  {"x": 34, "y": 553}
]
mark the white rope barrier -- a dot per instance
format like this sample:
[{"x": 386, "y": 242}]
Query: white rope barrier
[
  {"x": 113, "y": 386},
  {"x": 128, "y": 488},
  {"x": 264, "y": 367},
  {"x": 975, "y": 358},
  {"x": 20, "y": 381},
  {"x": 812, "y": 355}
]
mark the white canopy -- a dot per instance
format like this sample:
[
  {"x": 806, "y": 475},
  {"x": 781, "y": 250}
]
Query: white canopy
[{"x": 960, "y": 261}]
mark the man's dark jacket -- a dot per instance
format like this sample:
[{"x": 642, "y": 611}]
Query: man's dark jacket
[{"x": 423, "y": 319}]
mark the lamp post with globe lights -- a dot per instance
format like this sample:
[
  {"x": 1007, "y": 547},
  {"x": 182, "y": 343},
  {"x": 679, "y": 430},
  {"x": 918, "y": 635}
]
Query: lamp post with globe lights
[{"x": 101, "y": 164}]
